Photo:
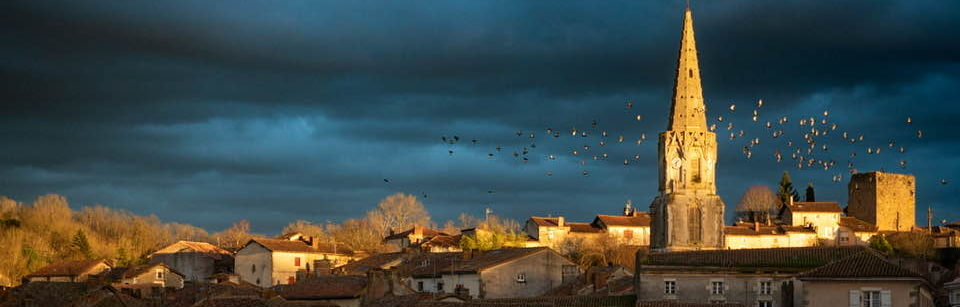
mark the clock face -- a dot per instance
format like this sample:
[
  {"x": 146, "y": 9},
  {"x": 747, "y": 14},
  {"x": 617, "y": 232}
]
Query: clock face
[{"x": 676, "y": 162}]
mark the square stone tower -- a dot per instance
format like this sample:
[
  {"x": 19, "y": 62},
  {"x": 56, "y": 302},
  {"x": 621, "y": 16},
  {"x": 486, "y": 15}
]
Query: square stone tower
[{"x": 887, "y": 200}]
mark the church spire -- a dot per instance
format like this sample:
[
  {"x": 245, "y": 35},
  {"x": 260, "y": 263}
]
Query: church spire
[{"x": 688, "y": 112}]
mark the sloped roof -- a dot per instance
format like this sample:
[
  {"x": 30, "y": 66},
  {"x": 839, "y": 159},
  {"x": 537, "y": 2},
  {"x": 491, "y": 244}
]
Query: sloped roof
[
  {"x": 866, "y": 264},
  {"x": 137, "y": 270},
  {"x": 583, "y": 227},
  {"x": 545, "y": 221},
  {"x": 815, "y": 207},
  {"x": 641, "y": 219},
  {"x": 232, "y": 302},
  {"x": 67, "y": 268},
  {"x": 360, "y": 267},
  {"x": 857, "y": 225},
  {"x": 795, "y": 258},
  {"x": 297, "y": 246},
  {"x": 203, "y": 248},
  {"x": 440, "y": 263},
  {"x": 424, "y": 231},
  {"x": 684, "y": 304},
  {"x": 443, "y": 241},
  {"x": 44, "y": 293},
  {"x": 747, "y": 229},
  {"x": 325, "y": 287}
]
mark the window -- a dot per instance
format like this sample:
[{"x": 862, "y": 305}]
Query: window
[
  {"x": 716, "y": 287},
  {"x": 159, "y": 274},
  {"x": 766, "y": 287},
  {"x": 253, "y": 268},
  {"x": 669, "y": 287},
  {"x": 420, "y": 286},
  {"x": 440, "y": 286},
  {"x": 870, "y": 299},
  {"x": 628, "y": 234},
  {"x": 296, "y": 261},
  {"x": 521, "y": 278},
  {"x": 764, "y": 304},
  {"x": 258, "y": 281},
  {"x": 291, "y": 280}
]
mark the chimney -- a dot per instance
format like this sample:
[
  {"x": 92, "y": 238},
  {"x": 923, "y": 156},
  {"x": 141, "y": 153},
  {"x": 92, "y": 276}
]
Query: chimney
[
  {"x": 560, "y": 221},
  {"x": 790, "y": 200},
  {"x": 756, "y": 226}
]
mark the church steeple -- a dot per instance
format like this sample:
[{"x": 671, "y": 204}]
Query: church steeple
[{"x": 688, "y": 111}]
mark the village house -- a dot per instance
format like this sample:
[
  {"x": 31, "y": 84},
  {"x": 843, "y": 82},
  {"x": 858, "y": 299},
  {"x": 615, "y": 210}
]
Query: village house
[
  {"x": 411, "y": 237},
  {"x": 145, "y": 276},
  {"x": 69, "y": 271},
  {"x": 501, "y": 273},
  {"x": 854, "y": 231},
  {"x": 752, "y": 277},
  {"x": 757, "y": 235},
  {"x": 632, "y": 228},
  {"x": 862, "y": 280},
  {"x": 952, "y": 290},
  {"x": 823, "y": 217},
  {"x": 197, "y": 261},
  {"x": 268, "y": 262},
  {"x": 342, "y": 291},
  {"x": 947, "y": 236}
]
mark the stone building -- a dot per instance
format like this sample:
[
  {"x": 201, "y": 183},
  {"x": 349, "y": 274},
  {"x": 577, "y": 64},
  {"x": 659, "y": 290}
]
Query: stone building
[
  {"x": 862, "y": 280},
  {"x": 687, "y": 214},
  {"x": 270, "y": 262},
  {"x": 853, "y": 231},
  {"x": 756, "y": 235},
  {"x": 752, "y": 277},
  {"x": 197, "y": 261},
  {"x": 886, "y": 200},
  {"x": 952, "y": 290},
  {"x": 823, "y": 217},
  {"x": 69, "y": 271},
  {"x": 632, "y": 228},
  {"x": 501, "y": 273},
  {"x": 145, "y": 276}
]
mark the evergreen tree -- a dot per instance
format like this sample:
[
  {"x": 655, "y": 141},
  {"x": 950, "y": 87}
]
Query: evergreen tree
[
  {"x": 786, "y": 191},
  {"x": 810, "y": 194},
  {"x": 81, "y": 245}
]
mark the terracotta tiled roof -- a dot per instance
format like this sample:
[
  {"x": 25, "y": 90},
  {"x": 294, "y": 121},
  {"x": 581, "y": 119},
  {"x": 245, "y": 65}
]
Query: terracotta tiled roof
[
  {"x": 232, "y": 302},
  {"x": 583, "y": 227},
  {"x": 136, "y": 270},
  {"x": 683, "y": 304},
  {"x": 297, "y": 246},
  {"x": 67, "y": 268},
  {"x": 44, "y": 293},
  {"x": 545, "y": 221},
  {"x": 204, "y": 248},
  {"x": 747, "y": 229},
  {"x": 360, "y": 267},
  {"x": 866, "y": 264},
  {"x": 751, "y": 231},
  {"x": 857, "y": 225},
  {"x": 641, "y": 219},
  {"x": 815, "y": 207},
  {"x": 441, "y": 263},
  {"x": 790, "y": 258},
  {"x": 443, "y": 241},
  {"x": 424, "y": 231},
  {"x": 325, "y": 287}
]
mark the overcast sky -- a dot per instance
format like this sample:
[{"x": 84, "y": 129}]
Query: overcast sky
[{"x": 210, "y": 112}]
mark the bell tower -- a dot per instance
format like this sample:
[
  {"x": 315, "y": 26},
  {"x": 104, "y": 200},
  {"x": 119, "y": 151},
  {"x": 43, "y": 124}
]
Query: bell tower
[{"x": 687, "y": 213}]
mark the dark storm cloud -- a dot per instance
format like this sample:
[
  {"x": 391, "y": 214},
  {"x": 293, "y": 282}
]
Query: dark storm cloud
[{"x": 298, "y": 110}]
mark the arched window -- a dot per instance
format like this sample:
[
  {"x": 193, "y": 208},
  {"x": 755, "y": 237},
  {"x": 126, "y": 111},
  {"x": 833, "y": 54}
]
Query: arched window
[
  {"x": 691, "y": 73},
  {"x": 694, "y": 224}
]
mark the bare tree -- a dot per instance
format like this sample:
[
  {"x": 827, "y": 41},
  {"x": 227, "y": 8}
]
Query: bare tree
[
  {"x": 757, "y": 204},
  {"x": 357, "y": 234},
  {"x": 236, "y": 235},
  {"x": 306, "y": 228},
  {"x": 396, "y": 212}
]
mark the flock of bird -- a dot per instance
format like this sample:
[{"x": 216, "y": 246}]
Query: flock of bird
[{"x": 803, "y": 142}]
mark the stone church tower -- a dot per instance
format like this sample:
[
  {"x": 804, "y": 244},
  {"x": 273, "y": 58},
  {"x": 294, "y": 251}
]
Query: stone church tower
[{"x": 687, "y": 214}]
